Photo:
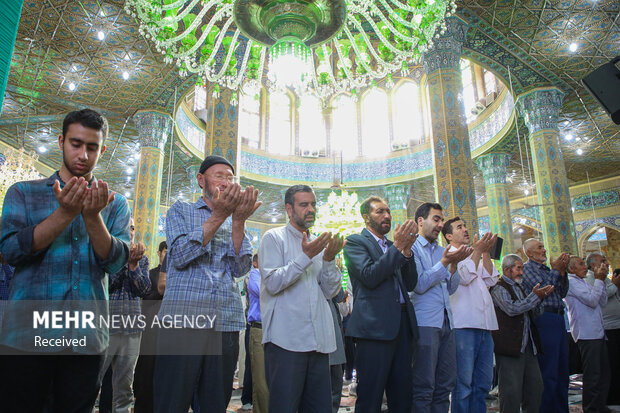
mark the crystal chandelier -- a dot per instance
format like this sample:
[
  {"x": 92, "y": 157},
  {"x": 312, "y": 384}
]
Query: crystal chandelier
[
  {"x": 330, "y": 46},
  {"x": 16, "y": 166}
]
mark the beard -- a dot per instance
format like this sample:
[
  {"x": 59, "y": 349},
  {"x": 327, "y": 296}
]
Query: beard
[
  {"x": 518, "y": 280},
  {"x": 301, "y": 221},
  {"x": 378, "y": 226},
  {"x": 71, "y": 170}
]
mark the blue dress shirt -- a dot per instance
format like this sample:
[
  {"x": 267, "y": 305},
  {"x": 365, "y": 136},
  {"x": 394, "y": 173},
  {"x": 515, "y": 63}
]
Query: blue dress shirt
[
  {"x": 254, "y": 295},
  {"x": 431, "y": 295}
]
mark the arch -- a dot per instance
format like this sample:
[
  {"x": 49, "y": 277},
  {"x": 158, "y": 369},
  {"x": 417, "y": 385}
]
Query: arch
[
  {"x": 407, "y": 114},
  {"x": 589, "y": 231}
]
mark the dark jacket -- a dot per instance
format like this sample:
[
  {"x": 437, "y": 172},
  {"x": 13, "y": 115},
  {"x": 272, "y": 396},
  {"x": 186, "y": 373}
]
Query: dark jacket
[{"x": 376, "y": 277}]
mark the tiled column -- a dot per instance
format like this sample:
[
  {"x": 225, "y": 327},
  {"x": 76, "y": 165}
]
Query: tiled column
[
  {"x": 494, "y": 169},
  {"x": 454, "y": 185},
  {"x": 540, "y": 109},
  {"x": 222, "y": 130},
  {"x": 397, "y": 197},
  {"x": 154, "y": 128},
  {"x": 196, "y": 193}
]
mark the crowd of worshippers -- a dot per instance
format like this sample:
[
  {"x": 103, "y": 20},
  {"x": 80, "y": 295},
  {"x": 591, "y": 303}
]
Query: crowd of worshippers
[{"x": 424, "y": 326}]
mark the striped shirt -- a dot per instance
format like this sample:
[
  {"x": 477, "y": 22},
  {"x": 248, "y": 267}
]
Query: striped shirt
[
  {"x": 126, "y": 289},
  {"x": 67, "y": 272},
  {"x": 534, "y": 273},
  {"x": 200, "y": 279}
]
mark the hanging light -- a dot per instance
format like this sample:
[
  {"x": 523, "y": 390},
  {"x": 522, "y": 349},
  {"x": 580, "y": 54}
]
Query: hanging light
[{"x": 290, "y": 64}]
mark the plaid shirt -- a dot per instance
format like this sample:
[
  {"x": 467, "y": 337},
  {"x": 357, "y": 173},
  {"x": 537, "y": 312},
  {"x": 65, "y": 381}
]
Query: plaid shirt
[
  {"x": 6, "y": 275},
  {"x": 534, "y": 273},
  {"x": 200, "y": 280},
  {"x": 66, "y": 272},
  {"x": 126, "y": 288}
]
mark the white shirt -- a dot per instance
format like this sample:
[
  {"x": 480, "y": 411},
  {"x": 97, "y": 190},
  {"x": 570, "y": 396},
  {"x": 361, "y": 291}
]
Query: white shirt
[
  {"x": 611, "y": 312},
  {"x": 472, "y": 305},
  {"x": 294, "y": 288},
  {"x": 584, "y": 303}
]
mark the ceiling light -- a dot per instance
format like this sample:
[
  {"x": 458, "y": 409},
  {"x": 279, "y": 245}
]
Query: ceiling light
[
  {"x": 125, "y": 75},
  {"x": 579, "y": 151},
  {"x": 573, "y": 47},
  {"x": 569, "y": 136},
  {"x": 129, "y": 170},
  {"x": 520, "y": 230},
  {"x": 127, "y": 194},
  {"x": 72, "y": 86},
  {"x": 137, "y": 156},
  {"x": 274, "y": 219},
  {"x": 100, "y": 35},
  {"x": 526, "y": 192},
  {"x": 42, "y": 149},
  {"x": 127, "y": 57}
]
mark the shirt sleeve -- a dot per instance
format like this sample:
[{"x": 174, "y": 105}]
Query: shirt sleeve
[
  {"x": 254, "y": 283},
  {"x": 467, "y": 271},
  {"x": 489, "y": 279},
  {"x": 501, "y": 297},
  {"x": 431, "y": 277},
  {"x": 530, "y": 278},
  {"x": 240, "y": 263},
  {"x": 17, "y": 233},
  {"x": 277, "y": 275},
  {"x": 140, "y": 280},
  {"x": 589, "y": 296},
  {"x": 453, "y": 282},
  {"x": 118, "y": 226},
  {"x": 185, "y": 243},
  {"x": 561, "y": 283},
  {"x": 330, "y": 278}
]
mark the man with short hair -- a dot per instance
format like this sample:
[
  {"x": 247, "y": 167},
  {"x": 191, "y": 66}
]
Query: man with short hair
[
  {"x": 208, "y": 248},
  {"x": 611, "y": 322},
  {"x": 517, "y": 340},
  {"x": 584, "y": 303},
  {"x": 299, "y": 274},
  {"x": 553, "y": 359},
  {"x": 126, "y": 287},
  {"x": 63, "y": 235},
  {"x": 473, "y": 318},
  {"x": 383, "y": 320},
  {"x": 434, "y": 374}
]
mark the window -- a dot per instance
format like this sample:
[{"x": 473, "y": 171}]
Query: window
[
  {"x": 279, "y": 124},
  {"x": 249, "y": 119},
  {"x": 312, "y": 137},
  {"x": 469, "y": 96},
  {"x": 489, "y": 82},
  {"x": 407, "y": 115},
  {"x": 375, "y": 124},
  {"x": 344, "y": 127}
]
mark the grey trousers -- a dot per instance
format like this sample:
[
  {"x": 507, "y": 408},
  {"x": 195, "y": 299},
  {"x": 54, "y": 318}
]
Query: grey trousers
[
  {"x": 122, "y": 354},
  {"x": 434, "y": 369},
  {"x": 520, "y": 382},
  {"x": 596, "y": 374}
]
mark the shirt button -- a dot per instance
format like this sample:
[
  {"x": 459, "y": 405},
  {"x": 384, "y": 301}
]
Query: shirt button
[
  {"x": 75, "y": 238},
  {"x": 75, "y": 287},
  {"x": 75, "y": 262}
]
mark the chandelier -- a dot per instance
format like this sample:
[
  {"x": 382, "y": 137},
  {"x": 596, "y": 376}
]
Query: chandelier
[
  {"x": 329, "y": 46},
  {"x": 16, "y": 166}
]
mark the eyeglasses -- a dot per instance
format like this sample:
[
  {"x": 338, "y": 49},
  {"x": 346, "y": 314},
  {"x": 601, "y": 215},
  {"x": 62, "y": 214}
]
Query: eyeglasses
[{"x": 219, "y": 177}]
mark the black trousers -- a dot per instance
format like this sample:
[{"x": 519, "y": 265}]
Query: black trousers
[
  {"x": 297, "y": 381},
  {"x": 32, "y": 380},
  {"x": 349, "y": 352},
  {"x": 176, "y": 375},
  {"x": 595, "y": 374},
  {"x": 385, "y": 365},
  {"x": 246, "y": 394},
  {"x": 613, "y": 351}
]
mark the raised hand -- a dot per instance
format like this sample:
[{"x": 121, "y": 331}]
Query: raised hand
[
  {"x": 136, "y": 252},
  {"x": 561, "y": 263},
  {"x": 334, "y": 246},
  {"x": 615, "y": 279},
  {"x": 247, "y": 204},
  {"x": 226, "y": 201},
  {"x": 314, "y": 247},
  {"x": 97, "y": 198},
  {"x": 544, "y": 292},
  {"x": 405, "y": 235},
  {"x": 457, "y": 255},
  {"x": 71, "y": 197},
  {"x": 600, "y": 272}
]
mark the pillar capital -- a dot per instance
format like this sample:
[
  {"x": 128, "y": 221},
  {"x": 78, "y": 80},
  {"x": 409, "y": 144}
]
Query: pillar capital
[
  {"x": 494, "y": 167},
  {"x": 446, "y": 50},
  {"x": 154, "y": 127},
  {"x": 541, "y": 108}
]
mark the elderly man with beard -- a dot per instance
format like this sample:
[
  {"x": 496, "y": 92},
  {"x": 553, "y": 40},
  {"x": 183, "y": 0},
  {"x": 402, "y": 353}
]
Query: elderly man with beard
[
  {"x": 434, "y": 362},
  {"x": 208, "y": 248},
  {"x": 383, "y": 320},
  {"x": 554, "y": 358},
  {"x": 474, "y": 319},
  {"x": 517, "y": 341},
  {"x": 299, "y": 274}
]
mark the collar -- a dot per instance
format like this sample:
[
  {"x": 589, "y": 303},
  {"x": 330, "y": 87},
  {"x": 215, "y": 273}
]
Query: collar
[
  {"x": 424, "y": 242},
  {"x": 295, "y": 232},
  {"x": 200, "y": 203},
  {"x": 537, "y": 264},
  {"x": 575, "y": 277},
  {"x": 379, "y": 240},
  {"x": 509, "y": 281},
  {"x": 590, "y": 274}
]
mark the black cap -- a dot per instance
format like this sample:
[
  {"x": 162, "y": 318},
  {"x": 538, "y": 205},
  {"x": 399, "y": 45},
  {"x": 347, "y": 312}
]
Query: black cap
[{"x": 214, "y": 160}]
